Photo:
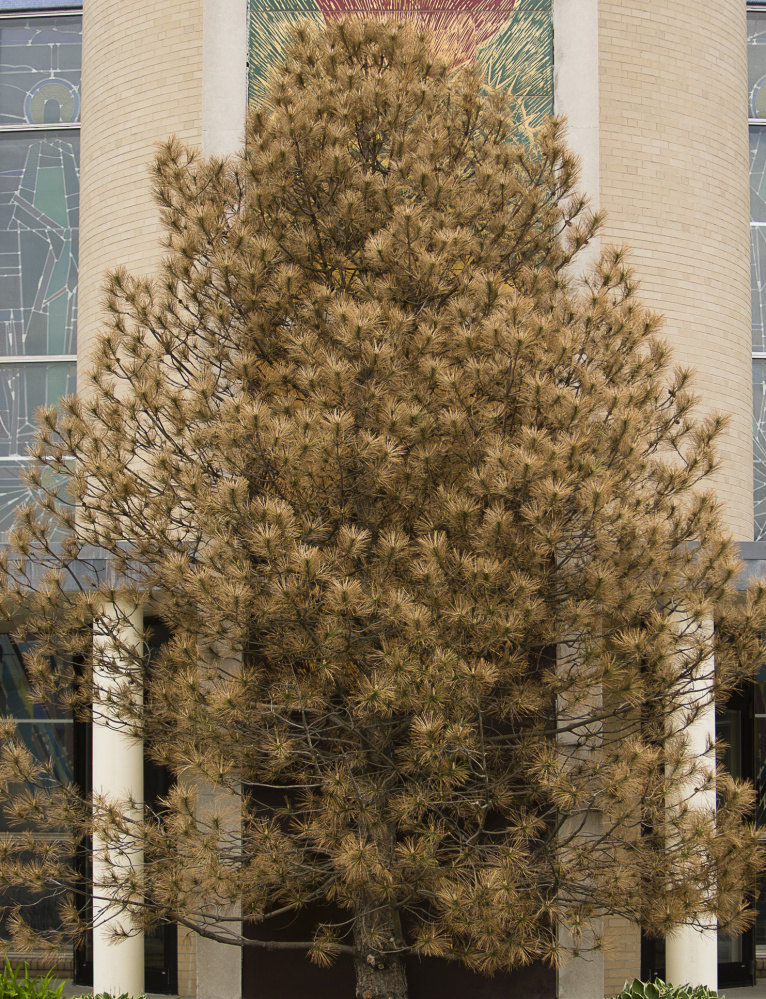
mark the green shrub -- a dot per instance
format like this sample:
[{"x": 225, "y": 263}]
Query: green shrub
[
  {"x": 662, "y": 990},
  {"x": 18, "y": 985}
]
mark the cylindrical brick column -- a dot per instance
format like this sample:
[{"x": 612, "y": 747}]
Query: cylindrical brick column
[
  {"x": 142, "y": 82},
  {"x": 674, "y": 185}
]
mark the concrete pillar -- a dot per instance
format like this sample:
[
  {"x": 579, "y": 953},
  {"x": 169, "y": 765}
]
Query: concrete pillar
[
  {"x": 118, "y": 772},
  {"x": 224, "y": 107},
  {"x": 576, "y": 89},
  {"x": 691, "y": 954},
  {"x": 581, "y": 972},
  {"x": 224, "y": 76}
]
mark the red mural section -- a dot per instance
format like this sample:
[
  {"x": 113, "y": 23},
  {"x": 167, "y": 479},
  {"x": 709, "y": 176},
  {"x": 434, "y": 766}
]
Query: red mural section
[{"x": 460, "y": 27}]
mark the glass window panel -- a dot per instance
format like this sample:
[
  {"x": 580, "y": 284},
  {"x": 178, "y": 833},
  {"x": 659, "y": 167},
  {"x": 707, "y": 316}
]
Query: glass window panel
[
  {"x": 50, "y": 741},
  {"x": 16, "y": 699},
  {"x": 40, "y": 63},
  {"x": 23, "y": 388},
  {"x": 39, "y": 205},
  {"x": 758, "y": 173},
  {"x": 42, "y": 911},
  {"x": 729, "y": 730},
  {"x": 14, "y": 492},
  {"x": 40, "y": 70},
  {"x": 758, "y": 285},
  {"x": 46, "y": 729},
  {"x": 756, "y": 62},
  {"x": 14, "y": 5},
  {"x": 759, "y": 447}
]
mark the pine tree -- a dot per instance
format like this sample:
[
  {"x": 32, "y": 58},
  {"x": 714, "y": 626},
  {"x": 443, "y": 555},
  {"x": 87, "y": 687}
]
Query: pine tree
[{"x": 427, "y": 517}]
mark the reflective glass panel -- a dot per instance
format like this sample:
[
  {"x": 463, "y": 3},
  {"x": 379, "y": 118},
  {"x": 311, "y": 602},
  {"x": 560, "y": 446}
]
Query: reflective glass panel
[
  {"x": 40, "y": 70},
  {"x": 16, "y": 5},
  {"x": 16, "y": 698},
  {"x": 759, "y": 447},
  {"x": 47, "y": 729},
  {"x": 39, "y": 220},
  {"x": 758, "y": 233},
  {"x": 15, "y": 492},
  {"x": 756, "y": 63},
  {"x": 24, "y": 388},
  {"x": 41, "y": 910}
]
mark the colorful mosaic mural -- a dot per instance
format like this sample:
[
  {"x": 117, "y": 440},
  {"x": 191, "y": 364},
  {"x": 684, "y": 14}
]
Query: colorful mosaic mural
[{"x": 511, "y": 39}]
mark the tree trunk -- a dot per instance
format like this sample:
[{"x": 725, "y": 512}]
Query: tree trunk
[{"x": 379, "y": 975}]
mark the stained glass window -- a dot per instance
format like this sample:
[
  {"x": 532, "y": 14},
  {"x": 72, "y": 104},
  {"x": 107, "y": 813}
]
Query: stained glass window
[
  {"x": 39, "y": 223},
  {"x": 758, "y": 233},
  {"x": 39, "y": 217},
  {"x": 40, "y": 70},
  {"x": 756, "y": 51},
  {"x": 17, "y": 5},
  {"x": 758, "y": 293},
  {"x": 756, "y": 62}
]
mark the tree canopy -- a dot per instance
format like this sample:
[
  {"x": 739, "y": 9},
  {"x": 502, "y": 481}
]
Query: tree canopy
[{"x": 426, "y": 516}]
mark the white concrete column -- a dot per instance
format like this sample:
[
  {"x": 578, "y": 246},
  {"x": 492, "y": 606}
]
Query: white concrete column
[
  {"x": 581, "y": 972},
  {"x": 118, "y": 773},
  {"x": 225, "y": 33},
  {"x": 575, "y": 82},
  {"x": 224, "y": 76},
  {"x": 576, "y": 96},
  {"x": 691, "y": 954}
]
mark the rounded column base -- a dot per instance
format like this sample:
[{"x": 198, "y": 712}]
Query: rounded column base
[{"x": 691, "y": 957}]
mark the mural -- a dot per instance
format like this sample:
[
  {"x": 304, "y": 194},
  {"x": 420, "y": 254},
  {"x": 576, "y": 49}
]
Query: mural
[{"x": 511, "y": 39}]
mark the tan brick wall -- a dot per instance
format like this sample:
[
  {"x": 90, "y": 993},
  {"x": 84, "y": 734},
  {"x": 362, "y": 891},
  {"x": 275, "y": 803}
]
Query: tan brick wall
[
  {"x": 142, "y": 81},
  {"x": 187, "y": 962},
  {"x": 622, "y": 953},
  {"x": 674, "y": 184}
]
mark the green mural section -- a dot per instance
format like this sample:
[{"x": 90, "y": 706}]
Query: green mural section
[{"x": 511, "y": 39}]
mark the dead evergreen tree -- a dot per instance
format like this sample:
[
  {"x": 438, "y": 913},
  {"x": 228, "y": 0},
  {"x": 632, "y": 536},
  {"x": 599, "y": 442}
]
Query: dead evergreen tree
[{"x": 427, "y": 520}]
